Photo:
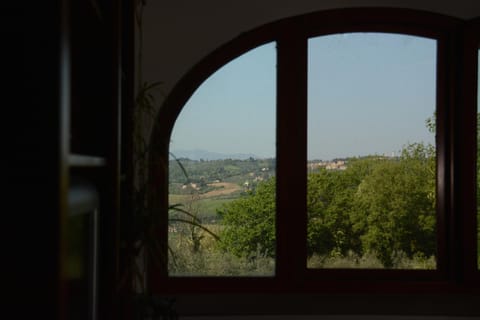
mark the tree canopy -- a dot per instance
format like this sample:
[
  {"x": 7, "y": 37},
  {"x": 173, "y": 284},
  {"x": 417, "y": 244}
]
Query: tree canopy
[
  {"x": 249, "y": 222},
  {"x": 377, "y": 205}
]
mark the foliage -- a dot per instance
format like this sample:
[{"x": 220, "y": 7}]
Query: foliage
[
  {"x": 369, "y": 261},
  {"x": 378, "y": 212},
  {"x": 249, "y": 222},
  {"x": 139, "y": 238},
  {"x": 396, "y": 206},
  {"x": 210, "y": 261},
  {"x": 377, "y": 206},
  {"x": 329, "y": 206}
]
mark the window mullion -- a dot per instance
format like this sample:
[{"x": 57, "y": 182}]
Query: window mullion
[
  {"x": 466, "y": 152},
  {"x": 291, "y": 156},
  {"x": 449, "y": 159}
]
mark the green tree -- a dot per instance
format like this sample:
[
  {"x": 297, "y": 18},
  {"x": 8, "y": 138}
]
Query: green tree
[
  {"x": 249, "y": 222},
  {"x": 377, "y": 205},
  {"x": 330, "y": 205},
  {"x": 395, "y": 206}
]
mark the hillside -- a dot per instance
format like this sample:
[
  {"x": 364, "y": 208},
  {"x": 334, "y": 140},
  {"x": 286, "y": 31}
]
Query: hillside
[{"x": 204, "y": 172}]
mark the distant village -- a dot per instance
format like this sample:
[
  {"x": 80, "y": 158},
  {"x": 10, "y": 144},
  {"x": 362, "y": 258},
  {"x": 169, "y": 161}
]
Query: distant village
[
  {"x": 328, "y": 165},
  {"x": 210, "y": 175},
  {"x": 338, "y": 164}
]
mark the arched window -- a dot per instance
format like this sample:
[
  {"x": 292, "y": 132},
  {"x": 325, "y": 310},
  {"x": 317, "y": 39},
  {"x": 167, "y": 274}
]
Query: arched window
[
  {"x": 221, "y": 172},
  {"x": 373, "y": 131}
]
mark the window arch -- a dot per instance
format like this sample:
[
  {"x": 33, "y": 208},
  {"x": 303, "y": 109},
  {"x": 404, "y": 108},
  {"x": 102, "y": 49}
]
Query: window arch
[{"x": 291, "y": 36}]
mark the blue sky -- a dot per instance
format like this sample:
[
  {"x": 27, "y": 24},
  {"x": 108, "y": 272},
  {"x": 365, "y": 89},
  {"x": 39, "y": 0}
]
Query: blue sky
[
  {"x": 233, "y": 111},
  {"x": 367, "y": 94}
]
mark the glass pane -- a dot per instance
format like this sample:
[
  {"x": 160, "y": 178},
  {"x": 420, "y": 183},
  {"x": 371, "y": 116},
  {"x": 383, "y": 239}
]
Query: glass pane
[
  {"x": 222, "y": 169},
  {"x": 371, "y": 151}
]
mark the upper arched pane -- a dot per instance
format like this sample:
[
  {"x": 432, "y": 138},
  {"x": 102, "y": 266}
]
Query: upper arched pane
[{"x": 222, "y": 170}]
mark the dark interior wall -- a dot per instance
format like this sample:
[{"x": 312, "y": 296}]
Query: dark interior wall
[
  {"x": 178, "y": 34},
  {"x": 406, "y": 305},
  {"x": 31, "y": 127}
]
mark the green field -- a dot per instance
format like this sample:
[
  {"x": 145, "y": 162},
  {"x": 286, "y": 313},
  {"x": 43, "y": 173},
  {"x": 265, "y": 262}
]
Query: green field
[{"x": 206, "y": 209}]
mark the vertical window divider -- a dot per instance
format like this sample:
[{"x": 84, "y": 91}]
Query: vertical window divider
[
  {"x": 449, "y": 128},
  {"x": 291, "y": 157},
  {"x": 467, "y": 154},
  {"x": 443, "y": 148}
]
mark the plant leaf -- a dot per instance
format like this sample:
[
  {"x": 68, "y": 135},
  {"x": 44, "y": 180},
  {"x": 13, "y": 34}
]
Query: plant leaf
[{"x": 193, "y": 223}]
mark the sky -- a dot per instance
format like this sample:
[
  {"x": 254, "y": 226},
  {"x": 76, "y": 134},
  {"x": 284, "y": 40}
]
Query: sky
[
  {"x": 233, "y": 111},
  {"x": 368, "y": 93}
]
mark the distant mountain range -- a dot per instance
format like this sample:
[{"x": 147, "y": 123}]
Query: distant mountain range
[{"x": 198, "y": 154}]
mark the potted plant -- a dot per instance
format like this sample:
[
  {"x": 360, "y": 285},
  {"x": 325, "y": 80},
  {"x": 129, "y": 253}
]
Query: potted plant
[{"x": 139, "y": 240}]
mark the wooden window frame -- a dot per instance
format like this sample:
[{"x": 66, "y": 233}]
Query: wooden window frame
[
  {"x": 455, "y": 146},
  {"x": 467, "y": 149}
]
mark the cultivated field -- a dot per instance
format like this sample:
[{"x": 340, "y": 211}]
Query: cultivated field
[
  {"x": 205, "y": 205},
  {"x": 221, "y": 189}
]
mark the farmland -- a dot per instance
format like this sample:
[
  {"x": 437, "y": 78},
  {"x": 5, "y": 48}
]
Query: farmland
[
  {"x": 369, "y": 212},
  {"x": 204, "y": 186}
]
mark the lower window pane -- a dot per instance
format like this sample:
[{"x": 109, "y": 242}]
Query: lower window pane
[
  {"x": 222, "y": 173},
  {"x": 371, "y": 150}
]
